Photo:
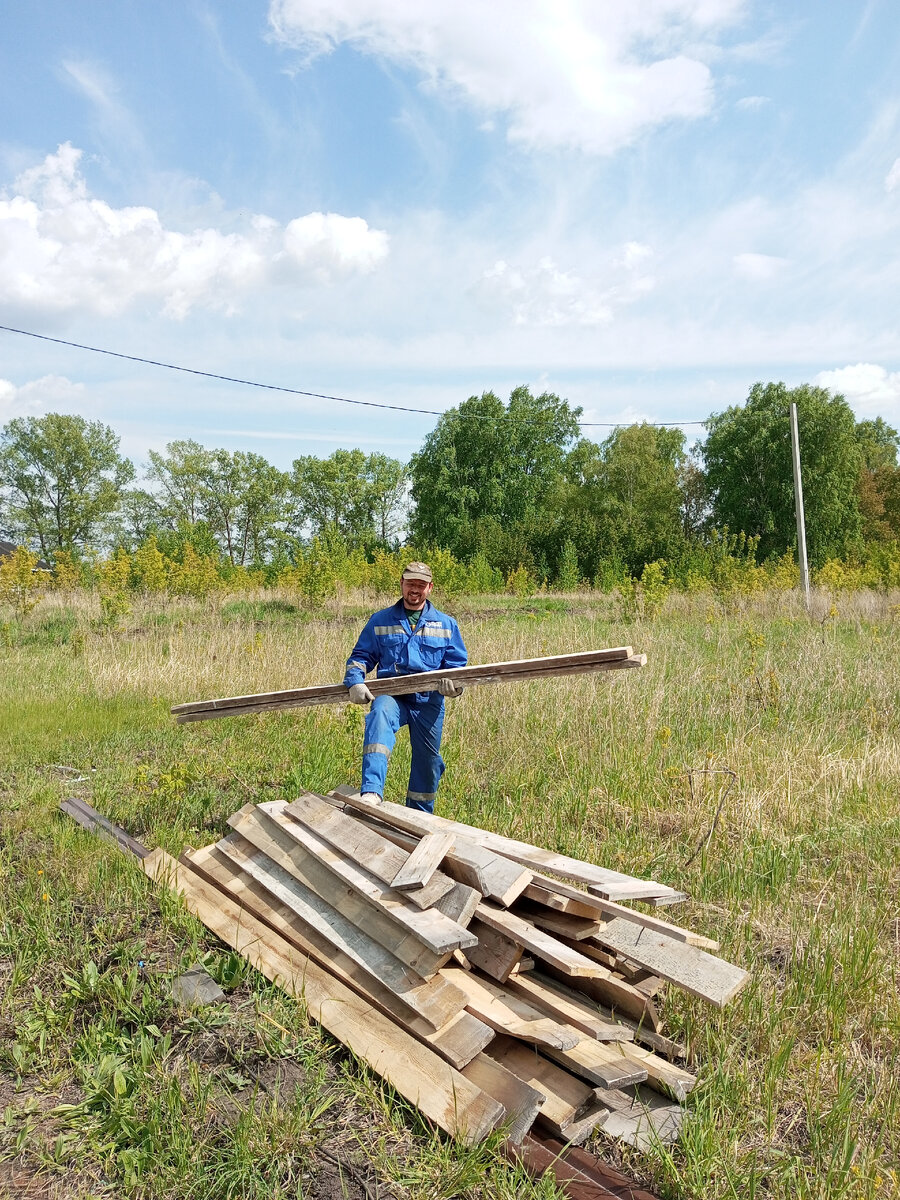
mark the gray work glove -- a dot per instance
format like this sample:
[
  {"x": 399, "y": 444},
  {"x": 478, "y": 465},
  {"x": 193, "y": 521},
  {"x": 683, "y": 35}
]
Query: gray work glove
[
  {"x": 360, "y": 694},
  {"x": 449, "y": 688}
]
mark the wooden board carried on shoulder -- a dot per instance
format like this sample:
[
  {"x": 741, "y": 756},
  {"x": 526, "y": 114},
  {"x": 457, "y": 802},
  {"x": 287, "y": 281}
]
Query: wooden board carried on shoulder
[{"x": 584, "y": 662}]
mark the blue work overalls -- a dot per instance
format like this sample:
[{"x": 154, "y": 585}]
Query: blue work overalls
[{"x": 388, "y": 642}]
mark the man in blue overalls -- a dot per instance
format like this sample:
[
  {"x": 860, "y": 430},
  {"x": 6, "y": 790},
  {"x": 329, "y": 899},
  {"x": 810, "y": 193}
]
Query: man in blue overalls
[{"x": 408, "y": 637}]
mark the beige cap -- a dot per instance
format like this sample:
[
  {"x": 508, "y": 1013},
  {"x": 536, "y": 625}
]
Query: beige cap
[{"x": 417, "y": 570}]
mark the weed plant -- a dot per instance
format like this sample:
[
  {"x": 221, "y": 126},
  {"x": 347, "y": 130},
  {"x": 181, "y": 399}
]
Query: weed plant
[{"x": 754, "y": 764}]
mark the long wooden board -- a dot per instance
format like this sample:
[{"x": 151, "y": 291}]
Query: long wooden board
[
  {"x": 699, "y": 973},
  {"x": 423, "y": 681},
  {"x": 433, "y": 928},
  {"x": 428, "y": 998},
  {"x": 496, "y": 877},
  {"x": 613, "y": 884},
  {"x": 541, "y": 945},
  {"x": 380, "y": 857},
  {"x": 359, "y": 910},
  {"x": 544, "y": 889},
  {"x": 439, "y": 1091},
  {"x": 565, "y": 1004}
]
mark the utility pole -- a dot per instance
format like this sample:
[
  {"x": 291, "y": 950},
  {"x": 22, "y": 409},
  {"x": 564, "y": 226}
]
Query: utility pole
[{"x": 798, "y": 506}]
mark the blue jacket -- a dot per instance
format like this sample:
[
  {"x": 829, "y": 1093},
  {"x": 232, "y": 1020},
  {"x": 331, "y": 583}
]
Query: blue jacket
[{"x": 388, "y": 642}]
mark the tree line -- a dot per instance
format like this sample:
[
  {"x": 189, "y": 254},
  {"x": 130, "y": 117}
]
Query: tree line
[{"x": 511, "y": 484}]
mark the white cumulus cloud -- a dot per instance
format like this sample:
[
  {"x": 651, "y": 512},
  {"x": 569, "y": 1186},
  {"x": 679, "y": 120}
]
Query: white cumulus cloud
[
  {"x": 63, "y": 249},
  {"x": 871, "y": 389},
  {"x": 565, "y": 73},
  {"x": 37, "y": 396}
]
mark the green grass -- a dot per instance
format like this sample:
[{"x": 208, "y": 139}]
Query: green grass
[{"x": 106, "y": 1087}]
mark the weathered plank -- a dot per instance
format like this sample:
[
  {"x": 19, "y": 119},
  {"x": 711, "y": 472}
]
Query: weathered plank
[
  {"x": 360, "y": 910},
  {"x": 363, "y": 845},
  {"x": 603, "y": 1063},
  {"x": 459, "y": 904},
  {"x": 541, "y": 945},
  {"x": 373, "y": 966},
  {"x": 567, "y": 1098},
  {"x": 613, "y": 884},
  {"x": 699, "y": 973},
  {"x": 461, "y": 1039},
  {"x": 575, "y": 929},
  {"x": 566, "y": 1004},
  {"x": 617, "y": 995},
  {"x": 495, "y": 954},
  {"x": 662, "y": 1075},
  {"x": 521, "y": 1100},
  {"x": 509, "y": 1014},
  {"x": 542, "y": 885},
  {"x": 440, "y": 1092},
  {"x": 433, "y": 928},
  {"x": 423, "y": 681},
  {"x": 642, "y": 1118},
  {"x": 88, "y": 818},
  {"x": 497, "y": 878},
  {"x": 423, "y": 862}
]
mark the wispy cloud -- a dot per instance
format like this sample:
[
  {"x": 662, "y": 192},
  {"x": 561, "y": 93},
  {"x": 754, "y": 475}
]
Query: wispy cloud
[{"x": 570, "y": 74}]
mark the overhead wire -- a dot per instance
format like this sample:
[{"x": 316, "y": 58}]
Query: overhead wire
[{"x": 276, "y": 387}]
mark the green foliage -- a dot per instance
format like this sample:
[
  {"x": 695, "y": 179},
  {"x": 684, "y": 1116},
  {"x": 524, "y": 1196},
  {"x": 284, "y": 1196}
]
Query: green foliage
[
  {"x": 485, "y": 476},
  {"x": 748, "y": 463},
  {"x": 62, "y": 477},
  {"x": 22, "y": 585},
  {"x": 355, "y": 496},
  {"x": 567, "y": 575}
]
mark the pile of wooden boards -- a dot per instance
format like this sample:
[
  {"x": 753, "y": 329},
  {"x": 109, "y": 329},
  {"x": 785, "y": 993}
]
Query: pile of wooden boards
[{"x": 465, "y": 968}]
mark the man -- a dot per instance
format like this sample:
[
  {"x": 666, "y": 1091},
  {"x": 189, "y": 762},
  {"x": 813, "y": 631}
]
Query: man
[{"x": 408, "y": 637}]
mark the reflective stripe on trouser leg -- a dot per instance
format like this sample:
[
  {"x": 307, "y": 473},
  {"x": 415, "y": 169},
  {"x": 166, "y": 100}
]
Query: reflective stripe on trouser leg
[
  {"x": 383, "y": 720},
  {"x": 426, "y": 722}
]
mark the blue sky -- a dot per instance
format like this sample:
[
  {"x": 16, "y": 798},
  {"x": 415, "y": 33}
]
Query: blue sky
[{"x": 645, "y": 208}]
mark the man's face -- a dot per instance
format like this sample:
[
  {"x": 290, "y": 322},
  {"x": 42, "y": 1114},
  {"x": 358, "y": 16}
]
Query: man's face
[{"x": 415, "y": 592}]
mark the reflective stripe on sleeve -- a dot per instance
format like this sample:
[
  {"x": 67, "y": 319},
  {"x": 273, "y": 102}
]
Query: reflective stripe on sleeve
[
  {"x": 376, "y": 748},
  {"x": 383, "y": 629},
  {"x": 354, "y": 663}
]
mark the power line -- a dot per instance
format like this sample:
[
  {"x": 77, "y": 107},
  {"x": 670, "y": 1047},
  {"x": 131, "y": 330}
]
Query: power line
[{"x": 275, "y": 387}]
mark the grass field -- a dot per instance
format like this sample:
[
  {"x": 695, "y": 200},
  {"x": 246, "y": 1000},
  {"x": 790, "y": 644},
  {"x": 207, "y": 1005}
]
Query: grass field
[{"x": 107, "y": 1089}]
